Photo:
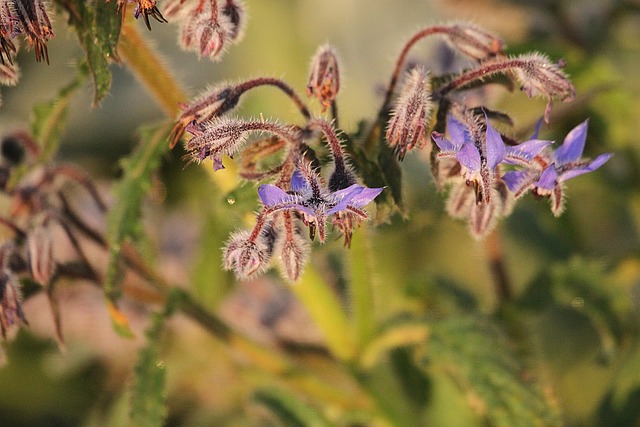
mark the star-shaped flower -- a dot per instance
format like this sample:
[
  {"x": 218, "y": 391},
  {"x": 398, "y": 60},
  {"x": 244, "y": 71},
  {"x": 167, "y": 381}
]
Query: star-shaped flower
[
  {"x": 552, "y": 168},
  {"x": 314, "y": 201}
]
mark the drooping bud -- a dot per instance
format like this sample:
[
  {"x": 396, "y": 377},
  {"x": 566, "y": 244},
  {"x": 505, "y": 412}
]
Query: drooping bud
[
  {"x": 474, "y": 41},
  {"x": 538, "y": 76},
  {"x": 40, "y": 255},
  {"x": 32, "y": 20},
  {"x": 213, "y": 102},
  {"x": 9, "y": 74},
  {"x": 406, "y": 128},
  {"x": 203, "y": 32},
  {"x": 235, "y": 13},
  {"x": 247, "y": 257},
  {"x": 324, "y": 78},
  {"x": 293, "y": 250}
]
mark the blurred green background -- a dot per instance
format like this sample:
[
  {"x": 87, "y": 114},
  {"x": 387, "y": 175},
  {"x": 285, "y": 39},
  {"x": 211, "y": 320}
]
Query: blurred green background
[{"x": 576, "y": 278}]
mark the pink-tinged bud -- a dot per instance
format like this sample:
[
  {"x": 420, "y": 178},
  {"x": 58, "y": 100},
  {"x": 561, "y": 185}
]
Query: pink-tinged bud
[
  {"x": 294, "y": 255},
  {"x": 40, "y": 255},
  {"x": 247, "y": 257},
  {"x": 203, "y": 33},
  {"x": 406, "y": 128},
  {"x": 324, "y": 79},
  {"x": 9, "y": 74},
  {"x": 474, "y": 41},
  {"x": 538, "y": 76}
]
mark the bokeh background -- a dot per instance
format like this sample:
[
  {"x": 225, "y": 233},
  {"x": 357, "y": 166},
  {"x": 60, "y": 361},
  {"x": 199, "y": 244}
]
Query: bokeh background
[{"x": 591, "y": 358}]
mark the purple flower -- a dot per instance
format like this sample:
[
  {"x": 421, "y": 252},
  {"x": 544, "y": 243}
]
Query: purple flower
[
  {"x": 553, "y": 168},
  {"x": 478, "y": 152},
  {"x": 314, "y": 201}
]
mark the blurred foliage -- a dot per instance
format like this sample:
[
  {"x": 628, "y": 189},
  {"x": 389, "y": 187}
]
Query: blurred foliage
[{"x": 406, "y": 328}]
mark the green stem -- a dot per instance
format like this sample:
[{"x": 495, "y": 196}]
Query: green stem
[
  {"x": 361, "y": 287},
  {"x": 144, "y": 62},
  {"x": 327, "y": 313}
]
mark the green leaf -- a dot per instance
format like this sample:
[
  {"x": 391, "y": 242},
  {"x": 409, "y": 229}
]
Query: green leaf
[
  {"x": 289, "y": 409},
  {"x": 125, "y": 218},
  {"x": 49, "y": 118},
  {"x": 97, "y": 24},
  {"x": 584, "y": 286},
  {"x": 148, "y": 396},
  {"x": 476, "y": 355}
]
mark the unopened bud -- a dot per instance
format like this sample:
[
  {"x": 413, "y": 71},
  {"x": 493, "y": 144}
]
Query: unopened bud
[
  {"x": 324, "y": 78},
  {"x": 294, "y": 254},
  {"x": 235, "y": 13},
  {"x": 245, "y": 256},
  {"x": 538, "y": 76},
  {"x": 9, "y": 74},
  {"x": 11, "y": 313},
  {"x": 203, "y": 33},
  {"x": 40, "y": 255},
  {"x": 406, "y": 128},
  {"x": 474, "y": 41}
]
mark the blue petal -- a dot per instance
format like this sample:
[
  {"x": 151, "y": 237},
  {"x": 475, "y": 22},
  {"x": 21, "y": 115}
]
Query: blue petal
[
  {"x": 599, "y": 161},
  {"x": 443, "y": 143},
  {"x": 573, "y": 145},
  {"x": 536, "y": 131},
  {"x": 495, "y": 146},
  {"x": 548, "y": 178},
  {"x": 527, "y": 150},
  {"x": 298, "y": 182},
  {"x": 458, "y": 132},
  {"x": 270, "y": 195},
  {"x": 365, "y": 197},
  {"x": 342, "y": 198},
  {"x": 469, "y": 157},
  {"x": 514, "y": 180}
]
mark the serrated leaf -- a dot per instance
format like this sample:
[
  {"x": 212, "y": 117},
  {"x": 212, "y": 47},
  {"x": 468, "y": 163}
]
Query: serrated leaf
[
  {"x": 124, "y": 220},
  {"x": 584, "y": 286},
  {"x": 289, "y": 409},
  {"x": 148, "y": 396},
  {"x": 97, "y": 24},
  {"x": 475, "y": 354},
  {"x": 48, "y": 119}
]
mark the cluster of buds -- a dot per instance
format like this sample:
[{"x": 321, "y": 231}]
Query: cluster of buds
[
  {"x": 40, "y": 213},
  {"x": 207, "y": 27},
  {"x": 485, "y": 173},
  {"x": 300, "y": 195},
  {"x": 22, "y": 18}
]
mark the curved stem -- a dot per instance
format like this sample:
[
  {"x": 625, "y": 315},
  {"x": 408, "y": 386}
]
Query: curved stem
[
  {"x": 271, "y": 81},
  {"x": 436, "y": 29},
  {"x": 480, "y": 73}
]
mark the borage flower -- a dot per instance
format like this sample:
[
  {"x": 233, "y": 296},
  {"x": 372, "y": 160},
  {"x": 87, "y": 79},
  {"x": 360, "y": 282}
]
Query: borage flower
[
  {"x": 314, "y": 201},
  {"x": 478, "y": 154},
  {"x": 550, "y": 169}
]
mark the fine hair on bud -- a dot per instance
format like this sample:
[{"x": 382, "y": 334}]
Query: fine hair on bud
[
  {"x": 324, "y": 76},
  {"x": 412, "y": 111},
  {"x": 246, "y": 256},
  {"x": 473, "y": 41}
]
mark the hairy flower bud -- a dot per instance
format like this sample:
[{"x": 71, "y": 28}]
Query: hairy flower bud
[
  {"x": 293, "y": 254},
  {"x": 247, "y": 257},
  {"x": 324, "y": 78},
  {"x": 235, "y": 13},
  {"x": 40, "y": 255},
  {"x": 474, "y": 41},
  {"x": 406, "y": 128},
  {"x": 203, "y": 31},
  {"x": 538, "y": 76},
  {"x": 9, "y": 74}
]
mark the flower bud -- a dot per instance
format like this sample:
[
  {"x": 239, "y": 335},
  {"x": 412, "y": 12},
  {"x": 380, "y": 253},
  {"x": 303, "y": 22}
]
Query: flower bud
[
  {"x": 203, "y": 33},
  {"x": 40, "y": 255},
  {"x": 235, "y": 13},
  {"x": 324, "y": 78},
  {"x": 247, "y": 257},
  {"x": 474, "y": 41},
  {"x": 9, "y": 74},
  {"x": 294, "y": 254},
  {"x": 538, "y": 76},
  {"x": 10, "y": 302},
  {"x": 408, "y": 121}
]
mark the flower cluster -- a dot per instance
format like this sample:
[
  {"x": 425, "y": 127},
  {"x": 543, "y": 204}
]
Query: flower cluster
[
  {"x": 486, "y": 174},
  {"x": 207, "y": 27},
  {"x": 300, "y": 195}
]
